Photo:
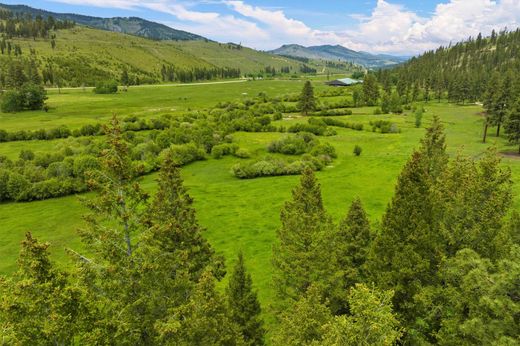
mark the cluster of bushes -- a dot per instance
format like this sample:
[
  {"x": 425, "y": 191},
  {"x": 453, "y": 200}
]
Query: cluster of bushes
[
  {"x": 36, "y": 177},
  {"x": 334, "y": 112},
  {"x": 220, "y": 150},
  {"x": 314, "y": 128},
  {"x": 271, "y": 166},
  {"x": 384, "y": 126},
  {"x": 298, "y": 144},
  {"x": 106, "y": 87},
  {"x": 27, "y": 97},
  {"x": 337, "y": 123},
  {"x": 343, "y": 103},
  {"x": 332, "y": 92},
  {"x": 129, "y": 124},
  {"x": 42, "y": 176}
]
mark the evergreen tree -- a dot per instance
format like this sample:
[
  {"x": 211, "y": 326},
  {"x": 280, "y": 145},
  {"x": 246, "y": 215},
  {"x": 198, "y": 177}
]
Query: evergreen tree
[
  {"x": 204, "y": 320},
  {"x": 174, "y": 228},
  {"x": 385, "y": 103},
  {"x": 370, "y": 322},
  {"x": 353, "y": 244},
  {"x": 370, "y": 90},
  {"x": 307, "y": 102},
  {"x": 302, "y": 323},
  {"x": 433, "y": 146},
  {"x": 512, "y": 125},
  {"x": 41, "y": 305},
  {"x": 243, "y": 304},
  {"x": 302, "y": 255},
  {"x": 475, "y": 197},
  {"x": 112, "y": 233}
]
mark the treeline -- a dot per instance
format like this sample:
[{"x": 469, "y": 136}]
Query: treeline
[
  {"x": 170, "y": 73},
  {"x": 25, "y": 26},
  {"x": 441, "y": 267}
]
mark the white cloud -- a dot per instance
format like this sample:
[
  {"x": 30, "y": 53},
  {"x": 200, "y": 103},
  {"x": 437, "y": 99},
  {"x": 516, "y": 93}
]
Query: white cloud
[{"x": 390, "y": 28}]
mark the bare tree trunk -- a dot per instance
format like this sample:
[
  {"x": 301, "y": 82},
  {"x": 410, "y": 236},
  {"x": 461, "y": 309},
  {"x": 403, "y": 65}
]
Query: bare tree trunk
[
  {"x": 485, "y": 131},
  {"x": 498, "y": 130}
]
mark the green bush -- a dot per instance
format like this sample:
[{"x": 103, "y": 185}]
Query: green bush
[
  {"x": 27, "y": 97},
  {"x": 270, "y": 166},
  {"x": 242, "y": 154},
  {"x": 293, "y": 145},
  {"x": 357, "y": 150},
  {"x": 224, "y": 149},
  {"x": 107, "y": 87},
  {"x": 186, "y": 153}
]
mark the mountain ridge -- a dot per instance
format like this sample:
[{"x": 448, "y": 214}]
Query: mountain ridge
[
  {"x": 127, "y": 25},
  {"x": 341, "y": 53}
]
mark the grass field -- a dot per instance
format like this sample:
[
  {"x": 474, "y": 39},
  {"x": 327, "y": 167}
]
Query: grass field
[{"x": 238, "y": 214}]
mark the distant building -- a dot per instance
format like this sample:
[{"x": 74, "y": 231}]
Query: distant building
[{"x": 344, "y": 82}]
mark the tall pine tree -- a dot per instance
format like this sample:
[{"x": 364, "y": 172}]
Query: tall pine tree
[
  {"x": 307, "y": 103},
  {"x": 243, "y": 304}
]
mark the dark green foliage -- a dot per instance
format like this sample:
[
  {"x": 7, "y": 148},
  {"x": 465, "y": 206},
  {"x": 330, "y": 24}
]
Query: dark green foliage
[
  {"x": 418, "y": 117},
  {"x": 26, "y": 97},
  {"x": 301, "y": 258},
  {"x": 271, "y": 166},
  {"x": 109, "y": 87},
  {"x": 370, "y": 90},
  {"x": 40, "y": 303},
  {"x": 203, "y": 320},
  {"x": 298, "y": 144},
  {"x": 307, "y": 102},
  {"x": 357, "y": 150},
  {"x": 243, "y": 304},
  {"x": 353, "y": 242},
  {"x": 512, "y": 125},
  {"x": 302, "y": 323}
]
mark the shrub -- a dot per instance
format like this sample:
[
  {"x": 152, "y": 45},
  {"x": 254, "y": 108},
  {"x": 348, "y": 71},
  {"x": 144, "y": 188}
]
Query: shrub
[
  {"x": 34, "y": 96},
  {"x": 223, "y": 149},
  {"x": 12, "y": 101},
  {"x": 28, "y": 97},
  {"x": 270, "y": 166},
  {"x": 418, "y": 117},
  {"x": 293, "y": 145},
  {"x": 378, "y": 111},
  {"x": 186, "y": 153},
  {"x": 357, "y": 150},
  {"x": 107, "y": 87},
  {"x": 17, "y": 186},
  {"x": 277, "y": 116},
  {"x": 242, "y": 154},
  {"x": 84, "y": 163},
  {"x": 26, "y": 155}
]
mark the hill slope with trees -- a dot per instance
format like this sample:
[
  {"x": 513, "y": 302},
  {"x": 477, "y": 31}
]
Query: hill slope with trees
[{"x": 132, "y": 25}]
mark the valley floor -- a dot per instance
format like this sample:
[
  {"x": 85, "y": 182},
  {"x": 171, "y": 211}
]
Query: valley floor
[{"x": 238, "y": 214}]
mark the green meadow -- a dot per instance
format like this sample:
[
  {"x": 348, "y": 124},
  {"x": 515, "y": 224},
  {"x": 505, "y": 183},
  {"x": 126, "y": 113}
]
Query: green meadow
[{"x": 237, "y": 214}]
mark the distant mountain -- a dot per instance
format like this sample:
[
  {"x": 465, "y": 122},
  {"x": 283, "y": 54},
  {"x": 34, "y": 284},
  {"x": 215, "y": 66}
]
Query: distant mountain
[
  {"x": 335, "y": 53},
  {"x": 132, "y": 25}
]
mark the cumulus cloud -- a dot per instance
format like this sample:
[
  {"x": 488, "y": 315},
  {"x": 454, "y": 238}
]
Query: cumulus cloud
[
  {"x": 390, "y": 28},
  {"x": 394, "y": 29}
]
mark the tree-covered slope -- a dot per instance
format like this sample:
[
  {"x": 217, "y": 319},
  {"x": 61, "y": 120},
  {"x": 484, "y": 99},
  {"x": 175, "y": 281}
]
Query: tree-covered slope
[
  {"x": 464, "y": 69},
  {"x": 132, "y": 25}
]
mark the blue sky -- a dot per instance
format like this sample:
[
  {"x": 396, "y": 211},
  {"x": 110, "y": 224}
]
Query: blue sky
[{"x": 380, "y": 26}]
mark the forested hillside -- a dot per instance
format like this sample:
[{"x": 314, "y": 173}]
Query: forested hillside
[
  {"x": 81, "y": 56},
  {"x": 133, "y": 25},
  {"x": 461, "y": 70}
]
